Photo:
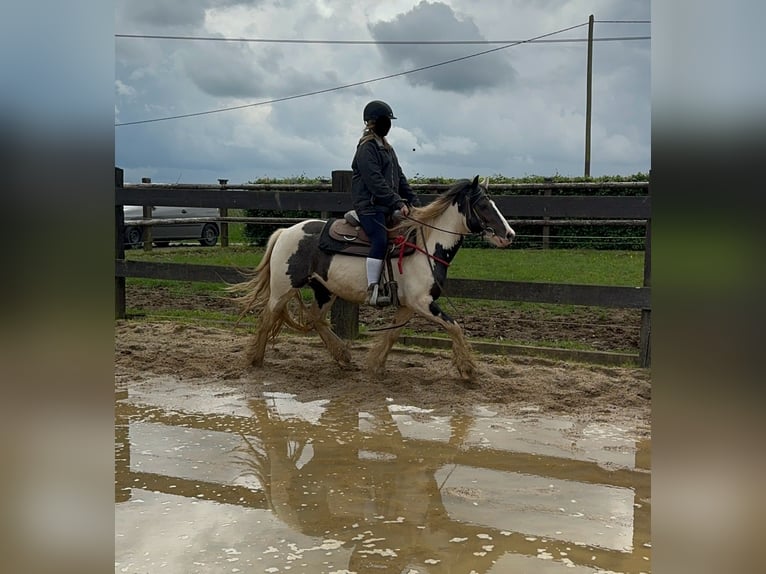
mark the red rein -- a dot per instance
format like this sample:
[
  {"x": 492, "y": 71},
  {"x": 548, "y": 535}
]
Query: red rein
[{"x": 401, "y": 242}]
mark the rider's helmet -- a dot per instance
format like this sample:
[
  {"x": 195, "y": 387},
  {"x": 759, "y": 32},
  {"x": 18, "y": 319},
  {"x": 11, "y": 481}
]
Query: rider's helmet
[{"x": 378, "y": 109}]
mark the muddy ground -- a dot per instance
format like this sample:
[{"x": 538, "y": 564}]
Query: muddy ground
[
  {"x": 423, "y": 378},
  {"x": 600, "y": 329}
]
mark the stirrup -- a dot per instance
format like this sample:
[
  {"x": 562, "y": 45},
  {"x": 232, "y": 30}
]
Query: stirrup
[
  {"x": 372, "y": 295},
  {"x": 376, "y": 298}
]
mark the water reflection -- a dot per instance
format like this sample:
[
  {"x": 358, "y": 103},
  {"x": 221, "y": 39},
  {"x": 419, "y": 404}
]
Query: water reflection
[{"x": 325, "y": 487}]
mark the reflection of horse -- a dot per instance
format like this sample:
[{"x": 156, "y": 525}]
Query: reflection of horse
[
  {"x": 334, "y": 478},
  {"x": 294, "y": 259}
]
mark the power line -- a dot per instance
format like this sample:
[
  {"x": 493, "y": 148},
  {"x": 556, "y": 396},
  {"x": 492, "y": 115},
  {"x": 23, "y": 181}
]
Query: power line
[
  {"x": 623, "y": 21},
  {"x": 374, "y": 42},
  {"x": 346, "y": 86}
]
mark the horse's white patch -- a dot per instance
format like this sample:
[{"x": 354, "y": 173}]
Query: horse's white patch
[
  {"x": 503, "y": 238},
  {"x": 348, "y": 277}
]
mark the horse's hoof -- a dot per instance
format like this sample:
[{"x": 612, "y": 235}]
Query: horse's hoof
[
  {"x": 347, "y": 366},
  {"x": 377, "y": 374},
  {"x": 472, "y": 383},
  {"x": 469, "y": 375}
]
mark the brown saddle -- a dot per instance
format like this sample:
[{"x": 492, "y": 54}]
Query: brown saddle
[{"x": 346, "y": 236}]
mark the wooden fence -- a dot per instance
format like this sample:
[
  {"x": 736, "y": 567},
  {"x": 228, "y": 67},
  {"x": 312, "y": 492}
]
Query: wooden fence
[{"x": 334, "y": 199}]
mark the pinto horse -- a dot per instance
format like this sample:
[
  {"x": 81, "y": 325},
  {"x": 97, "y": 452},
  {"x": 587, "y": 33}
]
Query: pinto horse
[{"x": 294, "y": 258}]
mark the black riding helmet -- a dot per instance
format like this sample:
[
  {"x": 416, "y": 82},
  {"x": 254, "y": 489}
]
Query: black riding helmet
[{"x": 378, "y": 109}]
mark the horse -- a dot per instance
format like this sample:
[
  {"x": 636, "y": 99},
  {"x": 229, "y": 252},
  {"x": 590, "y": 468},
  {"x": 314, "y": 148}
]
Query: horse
[{"x": 295, "y": 258}]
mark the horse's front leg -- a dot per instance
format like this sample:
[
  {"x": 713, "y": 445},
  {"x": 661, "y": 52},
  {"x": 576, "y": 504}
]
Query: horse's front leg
[
  {"x": 462, "y": 356},
  {"x": 376, "y": 358}
]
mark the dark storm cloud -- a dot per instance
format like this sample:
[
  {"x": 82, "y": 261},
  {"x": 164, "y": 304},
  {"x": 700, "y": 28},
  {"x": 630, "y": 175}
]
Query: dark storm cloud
[
  {"x": 225, "y": 70},
  {"x": 186, "y": 14},
  {"x": 437, "y": 21},
  {"x": 222, "y": 70}
]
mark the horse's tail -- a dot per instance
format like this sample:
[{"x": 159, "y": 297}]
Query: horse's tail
[
  {"x": 256, "y": 292},
  {"x": 257, "y": 289}
]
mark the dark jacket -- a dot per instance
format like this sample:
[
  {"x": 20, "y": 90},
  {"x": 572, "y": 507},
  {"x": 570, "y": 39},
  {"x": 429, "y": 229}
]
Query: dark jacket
[{"x": 377, "y": 181}]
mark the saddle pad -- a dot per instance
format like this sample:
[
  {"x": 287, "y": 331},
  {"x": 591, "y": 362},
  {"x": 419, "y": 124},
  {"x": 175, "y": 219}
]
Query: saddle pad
[
  {"x": 339, "y": 236},
  {"x": 342, "y": 230}
]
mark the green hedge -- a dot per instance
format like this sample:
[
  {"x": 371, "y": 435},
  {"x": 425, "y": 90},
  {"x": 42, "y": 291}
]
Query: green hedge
[{"x": 601, "y": 237}]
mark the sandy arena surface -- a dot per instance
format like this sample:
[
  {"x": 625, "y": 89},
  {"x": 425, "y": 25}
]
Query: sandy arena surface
[{"x": 300, "y": 365}]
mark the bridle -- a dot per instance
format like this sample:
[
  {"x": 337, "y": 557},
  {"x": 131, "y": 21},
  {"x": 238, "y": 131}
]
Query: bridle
[
  {"x": 476, "y": 225},
  {"x": 472, "y": 219}
]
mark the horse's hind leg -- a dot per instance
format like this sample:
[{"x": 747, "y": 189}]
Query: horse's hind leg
[
  {"x": 376, "y": 358},
  {"x": 317, "y": 318},
  {"x": 269, "y": 324}
]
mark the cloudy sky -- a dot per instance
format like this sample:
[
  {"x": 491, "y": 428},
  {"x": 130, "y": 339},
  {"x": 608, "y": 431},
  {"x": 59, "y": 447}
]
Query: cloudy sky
[{"x": 518, "y": 110}]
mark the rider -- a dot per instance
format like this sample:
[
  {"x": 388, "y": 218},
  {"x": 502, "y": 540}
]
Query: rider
[{"x": 378, "y": 188}]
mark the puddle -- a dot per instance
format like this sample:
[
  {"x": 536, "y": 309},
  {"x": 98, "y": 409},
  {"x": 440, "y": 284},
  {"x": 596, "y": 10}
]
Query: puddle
[{"x": 209, "y": 479}]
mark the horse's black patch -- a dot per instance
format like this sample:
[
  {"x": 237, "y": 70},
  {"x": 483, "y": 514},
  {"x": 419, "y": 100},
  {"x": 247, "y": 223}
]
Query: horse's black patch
[
  {"x": 303, "y": 262},
  {"x": 321, "y": 293},
  {"x": 440, "y": 269},
  {"x": 436, "y": 311},
  {"x": 321, "y": 263}
]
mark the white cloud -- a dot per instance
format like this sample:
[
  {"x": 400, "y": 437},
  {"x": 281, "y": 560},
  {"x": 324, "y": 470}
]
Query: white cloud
[{"x": 124, "y": 89}]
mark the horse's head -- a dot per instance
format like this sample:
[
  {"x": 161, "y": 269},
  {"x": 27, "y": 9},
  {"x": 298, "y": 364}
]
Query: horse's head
[{"x": 483, "y": 216}]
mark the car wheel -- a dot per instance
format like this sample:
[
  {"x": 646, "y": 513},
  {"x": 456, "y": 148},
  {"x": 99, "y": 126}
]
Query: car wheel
[
  {"x": 133, "y": 236},
  {"x": 209, "y": 235}
]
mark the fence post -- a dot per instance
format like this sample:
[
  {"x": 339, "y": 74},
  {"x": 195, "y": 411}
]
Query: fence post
[
  {"x": 547, "y": 228},
  {"x": 645, "y": 336},
  {"x": 119, "y": 248},
  {"x": 122, "y": 490},
  {"x": 344, "y": 316},
  {"x": 224, "y": 212},
  {"x": 146, "y": 230}
]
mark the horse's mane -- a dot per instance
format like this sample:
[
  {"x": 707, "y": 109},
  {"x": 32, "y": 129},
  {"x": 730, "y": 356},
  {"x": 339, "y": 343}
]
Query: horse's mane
[{"x": 428, "y": 213}]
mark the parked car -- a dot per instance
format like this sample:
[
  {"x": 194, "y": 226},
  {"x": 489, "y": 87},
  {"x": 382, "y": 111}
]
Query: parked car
[{"x": 206, "y": 232}]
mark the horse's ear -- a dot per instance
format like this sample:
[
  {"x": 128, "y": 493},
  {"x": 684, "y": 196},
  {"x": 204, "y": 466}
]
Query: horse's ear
[
  {"x": 485, "y": 183},
  {"x": 475, "y": 182}
]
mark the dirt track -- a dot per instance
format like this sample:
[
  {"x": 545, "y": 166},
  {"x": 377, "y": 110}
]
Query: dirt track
[
  {"x": 300, "y": 365},
  {"x": 600, "y": 329}
]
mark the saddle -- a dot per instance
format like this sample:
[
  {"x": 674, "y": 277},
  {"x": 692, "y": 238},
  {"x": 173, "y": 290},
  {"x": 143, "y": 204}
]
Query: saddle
[{"x": 345, "y": 235}]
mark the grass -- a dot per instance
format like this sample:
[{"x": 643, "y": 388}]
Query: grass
[
  {"x": 588, "y": 267},
  {"x": 234, "y": 255}
]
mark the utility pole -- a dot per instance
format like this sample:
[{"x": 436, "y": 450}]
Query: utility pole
[{"x": 588, "y": 96}]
